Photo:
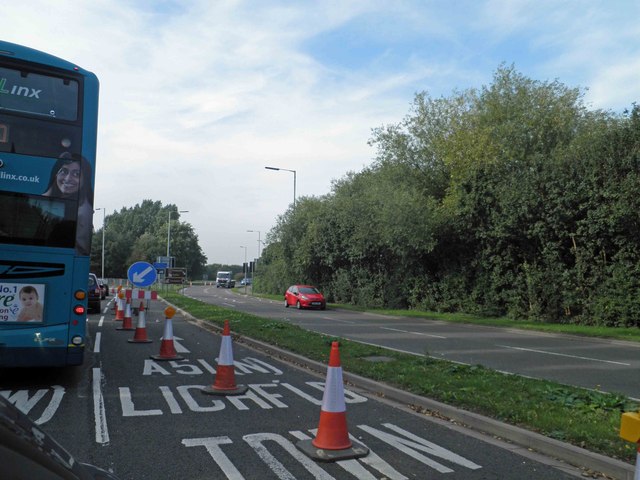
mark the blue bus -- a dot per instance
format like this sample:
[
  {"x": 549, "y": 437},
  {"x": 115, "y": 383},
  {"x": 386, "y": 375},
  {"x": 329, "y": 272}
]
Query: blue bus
[{"x": 48, "y": 129}]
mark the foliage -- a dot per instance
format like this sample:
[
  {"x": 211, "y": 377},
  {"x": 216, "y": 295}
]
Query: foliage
[
  {"x": 140, "y": 233},
  {"x": 512, "y": 199}
]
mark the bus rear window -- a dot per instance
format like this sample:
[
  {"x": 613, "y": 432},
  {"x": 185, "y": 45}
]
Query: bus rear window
[
  {"x": 39, "y": 137},
  {"x": 32, "y": 93},
  {"x": 36, "y": 220}
]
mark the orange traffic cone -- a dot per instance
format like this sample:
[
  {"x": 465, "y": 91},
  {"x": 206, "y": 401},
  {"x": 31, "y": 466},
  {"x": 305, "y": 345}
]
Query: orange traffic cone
[
  {"x": 140, "y": 335},
  {"x": 167, "y": 349},
  {"x": 127, "y": 321},
  {"x": 225, "y": 382},
  {"x": 332, "y": 442},
  {"x": 120, "y": 310}
]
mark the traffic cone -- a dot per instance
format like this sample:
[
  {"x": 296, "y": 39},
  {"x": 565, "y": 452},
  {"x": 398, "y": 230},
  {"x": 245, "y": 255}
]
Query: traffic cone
[
  {"x": 127, "y": 321},
  {"x": 140, "y": 335},
  {"x": 332, "y": 442},
  {"x": 120, "y": 309},
  {"x": 167, "y": 349},
  {"x": 225, "y": 381}
]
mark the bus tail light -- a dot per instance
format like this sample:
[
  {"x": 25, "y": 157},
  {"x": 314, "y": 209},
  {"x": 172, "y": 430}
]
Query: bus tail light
[
  {"x": 76, "y": 340},
  {"x": 80, "y": 295},
  {"x": 79, "y": 310}
]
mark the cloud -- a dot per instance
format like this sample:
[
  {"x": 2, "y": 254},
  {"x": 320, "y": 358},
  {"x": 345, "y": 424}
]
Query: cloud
[{"x": 198, "y": 97}]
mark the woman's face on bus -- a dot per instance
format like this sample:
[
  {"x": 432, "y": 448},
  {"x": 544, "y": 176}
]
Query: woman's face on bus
[{"x": 68, "y": 178}]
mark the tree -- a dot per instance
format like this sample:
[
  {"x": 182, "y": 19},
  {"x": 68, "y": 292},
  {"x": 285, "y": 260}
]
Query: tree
[
  {"x": 139, "y": 233},
  {"x": 512, "y": 198}
]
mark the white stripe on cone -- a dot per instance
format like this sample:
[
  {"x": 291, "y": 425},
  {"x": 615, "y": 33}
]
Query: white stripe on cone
[
  {"x": 168, "y": 330},
  {"x": 333, "y": 397},
  {"x": 226, "y": 351}
]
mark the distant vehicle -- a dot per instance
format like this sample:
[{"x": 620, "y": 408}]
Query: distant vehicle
[
  {"x": 48, "y": 132},
  {"x": 304, "y": 296},
  {"x": 26, "y": 452},
  {"x": 245, "y": 281},
  {"x": 95, "y": 293},
  {"x": 225, "y": 280}
]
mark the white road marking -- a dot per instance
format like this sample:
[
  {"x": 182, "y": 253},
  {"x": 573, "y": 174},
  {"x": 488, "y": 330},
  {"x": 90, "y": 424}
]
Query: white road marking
[
  {"x": 564, "y": 355},
  {"x": 102, "y": 433},
  {"x": 178, "y": 346},
  {"x": 96, "y": 345},
  {"x": 413, "y": 333},
  {"x": 58, "y": 393},
  {"x": 354, "y": 467},
  {"x": 411, "y": 444},
  {"x": 212, "y": 445},
  {"x": 337, "y": 320}
]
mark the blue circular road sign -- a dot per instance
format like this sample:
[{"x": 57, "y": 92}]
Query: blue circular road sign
[{"x": 142, "y": 274}]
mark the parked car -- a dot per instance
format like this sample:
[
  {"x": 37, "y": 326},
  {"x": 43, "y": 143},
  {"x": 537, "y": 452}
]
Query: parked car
[
  {"x": 93, "y": 300},
  {"x": 27, "y": 452},
  {"x": 245, "y": 281},
  {"x": 304, "y": 296}
]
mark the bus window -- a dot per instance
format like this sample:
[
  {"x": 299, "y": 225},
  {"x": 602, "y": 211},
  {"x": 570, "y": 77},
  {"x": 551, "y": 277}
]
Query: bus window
[
  {"x": 31, "y": 220},
  {"x": 45, "y": 95},
  {"x": 32, "y": 136}
]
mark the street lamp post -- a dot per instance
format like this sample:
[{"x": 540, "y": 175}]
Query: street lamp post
[
  {"x": 104, "y": 227},
  {"x": 245, "y": 268},
  {"x": 294, "y": 181},
  {"x": 255, "y": 265},
  {"x": 259, "y": 241},
  {"x": 169, "y": 236}
]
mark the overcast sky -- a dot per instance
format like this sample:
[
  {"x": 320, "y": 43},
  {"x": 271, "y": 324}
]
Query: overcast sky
[{"x": 197, "y": 97}]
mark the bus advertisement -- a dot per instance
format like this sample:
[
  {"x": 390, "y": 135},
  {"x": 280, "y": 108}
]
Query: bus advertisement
[{"x": 48, "y": 134}]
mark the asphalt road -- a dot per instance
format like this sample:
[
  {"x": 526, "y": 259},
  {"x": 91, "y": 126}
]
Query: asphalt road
[
  {"x": 148, "y": 419},
  {"x": 607, "y": 365}
]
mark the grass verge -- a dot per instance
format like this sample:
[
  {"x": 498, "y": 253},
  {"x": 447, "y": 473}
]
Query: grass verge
[{"x": 581, "y": 417}]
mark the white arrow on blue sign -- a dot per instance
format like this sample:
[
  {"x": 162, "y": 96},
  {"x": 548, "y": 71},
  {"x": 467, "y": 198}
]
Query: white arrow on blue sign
[{"x": 142, "y": 274}]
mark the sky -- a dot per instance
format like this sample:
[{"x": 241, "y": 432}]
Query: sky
[{"x": 197, "y": 97}]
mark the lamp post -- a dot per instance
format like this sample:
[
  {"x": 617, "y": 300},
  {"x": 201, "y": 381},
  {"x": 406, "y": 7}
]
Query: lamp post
[
  {"x": 259, "y": 241},
  {"x": 245, "y": 268},
  {"x": 169, "y": 236},
  {"x": 294, "y": 181},
  {"x": 104, "y": 227}
]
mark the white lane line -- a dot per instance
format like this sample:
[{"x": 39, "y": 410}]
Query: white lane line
[
  {"x": 413, "y": 333},
  {"x": 337, "y": 320},
  {"x": 564, "y": 355},
  {"x": 101, "y": 321},
  {"x": 96, "y": 345},
  {"x": 102, "y": 434}
]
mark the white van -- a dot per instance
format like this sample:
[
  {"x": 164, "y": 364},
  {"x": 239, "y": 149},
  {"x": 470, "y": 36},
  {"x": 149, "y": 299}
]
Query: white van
[{"x": 225, "y": 279}]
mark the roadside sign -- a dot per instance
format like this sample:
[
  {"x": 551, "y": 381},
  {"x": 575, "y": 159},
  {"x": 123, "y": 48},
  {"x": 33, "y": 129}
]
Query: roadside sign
[
  {"x": 175, "y": 275},
  {"x": 142, "y": 274},
  {"x": 160, "y": 267}
]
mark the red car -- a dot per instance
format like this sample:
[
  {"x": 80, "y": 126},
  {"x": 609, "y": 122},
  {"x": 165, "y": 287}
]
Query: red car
[{"x": 304, "y": 296}]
